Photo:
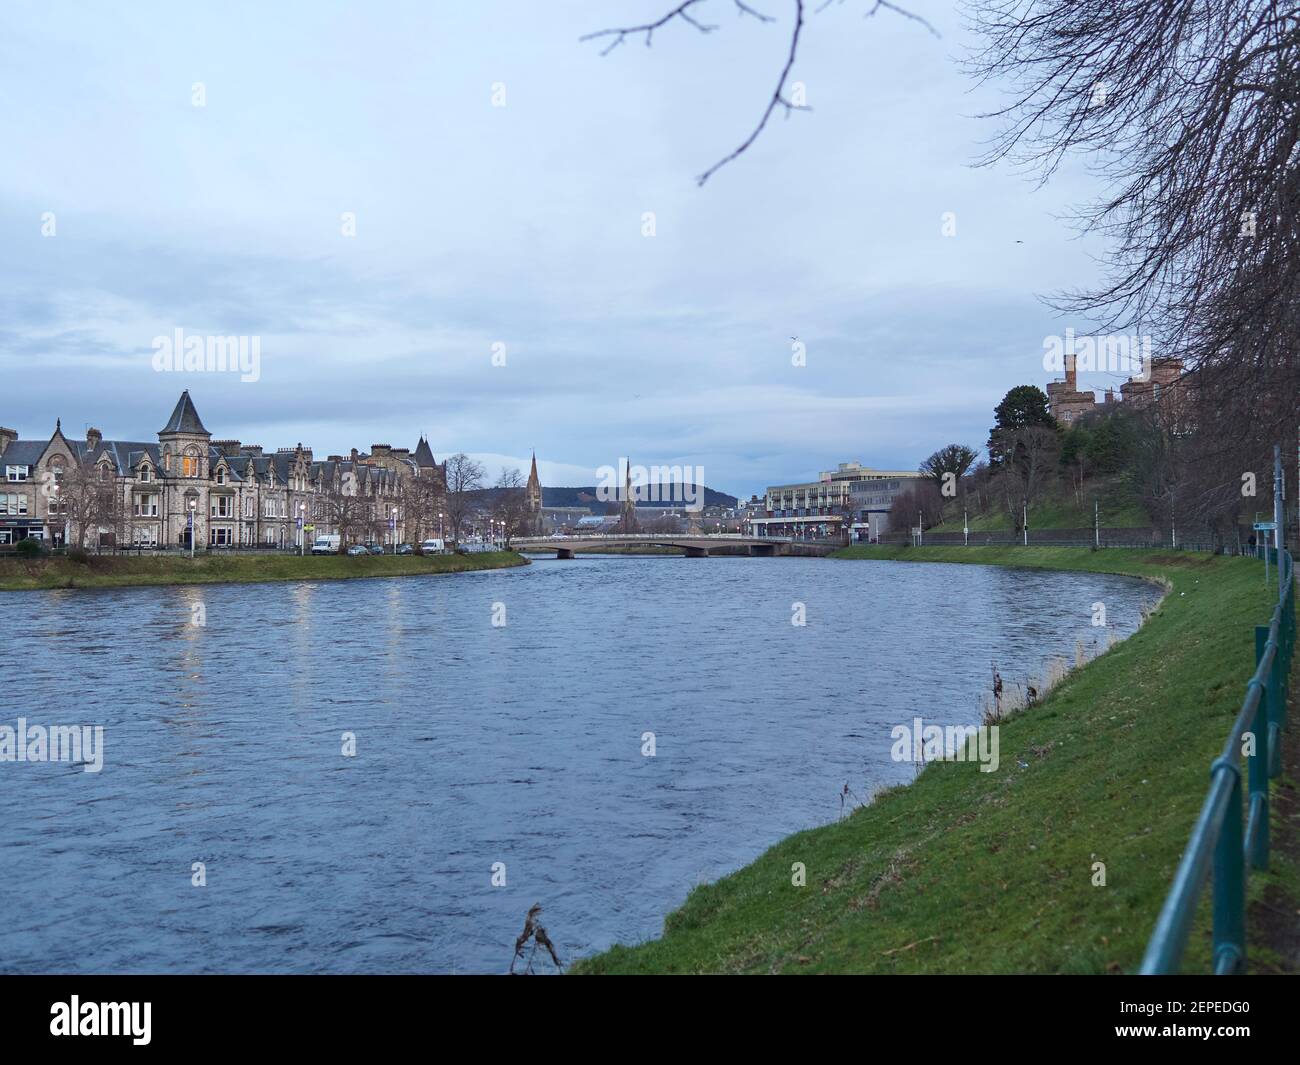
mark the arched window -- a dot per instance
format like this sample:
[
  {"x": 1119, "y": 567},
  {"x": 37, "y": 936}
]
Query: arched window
[{"x": 190, "y": 463}]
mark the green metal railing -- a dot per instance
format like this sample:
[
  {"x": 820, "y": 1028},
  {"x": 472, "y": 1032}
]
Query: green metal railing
[{"x": 1220, "y": 841}]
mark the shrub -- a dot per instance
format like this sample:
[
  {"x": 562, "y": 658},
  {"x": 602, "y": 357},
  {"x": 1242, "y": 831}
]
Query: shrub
[
  {"x": 79, "y": 555},
  {"x": 28, "y": 548}
]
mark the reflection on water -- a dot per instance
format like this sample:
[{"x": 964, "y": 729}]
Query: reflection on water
[{"x": 475, "y": 744}]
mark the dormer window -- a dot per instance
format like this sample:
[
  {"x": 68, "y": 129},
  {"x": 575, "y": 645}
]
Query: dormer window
[
  {"x": 146, "y": 474},
  {"x": 221, "y": 475}
]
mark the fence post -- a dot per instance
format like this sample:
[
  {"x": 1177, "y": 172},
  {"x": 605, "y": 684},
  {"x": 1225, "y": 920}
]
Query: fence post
[{"x": 1229, "y": 881}]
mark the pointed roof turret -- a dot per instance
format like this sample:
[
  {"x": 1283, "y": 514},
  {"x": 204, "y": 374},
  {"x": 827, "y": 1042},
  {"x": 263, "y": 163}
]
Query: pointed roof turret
[
  {"x": 424, "y": 455},
  {"x": 184, "y": 419},
  {"x": 533, "y": 480}
]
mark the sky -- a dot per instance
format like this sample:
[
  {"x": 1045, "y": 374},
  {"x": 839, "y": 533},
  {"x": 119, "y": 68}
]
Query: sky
[{"x": 199, "y": 167}]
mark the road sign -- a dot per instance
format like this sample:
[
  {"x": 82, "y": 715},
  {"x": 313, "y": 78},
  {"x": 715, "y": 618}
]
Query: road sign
[{"x": 1265, "y": 526}]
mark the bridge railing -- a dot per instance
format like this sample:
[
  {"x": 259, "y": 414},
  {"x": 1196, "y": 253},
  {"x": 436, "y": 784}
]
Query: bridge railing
[{"x": 1231, "y": 835}]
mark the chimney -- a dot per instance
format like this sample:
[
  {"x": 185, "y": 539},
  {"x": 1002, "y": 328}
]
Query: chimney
[
  {"x": 7, "y": 437},
  {"x": 93, "y": 437},
  {"x": 1071, "y": 381},
  {"x": 255, "y": 450},
  {"x": 227, "y": 447}
]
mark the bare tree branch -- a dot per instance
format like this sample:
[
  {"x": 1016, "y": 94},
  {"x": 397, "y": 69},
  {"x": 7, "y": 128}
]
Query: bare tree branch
[{"x": 779, "y": 98}]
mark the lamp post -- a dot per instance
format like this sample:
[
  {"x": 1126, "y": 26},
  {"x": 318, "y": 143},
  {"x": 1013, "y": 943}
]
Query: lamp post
[
  {"x": 302, "y": 530},
  {"x": 392, "y": 528},
  {"x": 193, "y": 506}
]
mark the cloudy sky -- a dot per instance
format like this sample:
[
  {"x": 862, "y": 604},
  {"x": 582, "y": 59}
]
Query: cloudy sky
[{"x": 520, "y": 225}]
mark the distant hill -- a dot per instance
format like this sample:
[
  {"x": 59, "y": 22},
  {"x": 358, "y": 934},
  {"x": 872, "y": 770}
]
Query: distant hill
[{"x": 586, "y": 497}]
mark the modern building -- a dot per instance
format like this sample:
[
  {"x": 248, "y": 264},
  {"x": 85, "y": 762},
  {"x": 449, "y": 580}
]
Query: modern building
[
  {"x": 850, "y": 502},
  {"x": 150, "y": 494}
]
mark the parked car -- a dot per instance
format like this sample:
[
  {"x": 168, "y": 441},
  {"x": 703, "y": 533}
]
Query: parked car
[
  {"x": 405, "y": 549},
  {"x": 375, "y": 549},
  {"x": 357, "y": 549},
  {"x": 325, "y": 545}
]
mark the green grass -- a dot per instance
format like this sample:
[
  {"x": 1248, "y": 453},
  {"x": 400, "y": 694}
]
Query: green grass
[
  {"x": 1119, "y": 510},
  {"x": 969, "y": 872},
  {"x": 122, "y": 571}
]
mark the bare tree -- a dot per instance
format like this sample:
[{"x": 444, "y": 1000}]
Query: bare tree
[
  {"x": 510, "y": 505},
  {"x": 87, "y": 501},
  {"x": 464, "y": 478},
  {"x": 1190, "y": 113}
]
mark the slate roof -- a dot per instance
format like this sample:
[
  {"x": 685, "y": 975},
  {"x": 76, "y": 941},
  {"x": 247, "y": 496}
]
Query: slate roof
[
  {"x": 184, "y": 419},
  {"x": 23, "y": 452},
  {"x": 424, "y": 454}
]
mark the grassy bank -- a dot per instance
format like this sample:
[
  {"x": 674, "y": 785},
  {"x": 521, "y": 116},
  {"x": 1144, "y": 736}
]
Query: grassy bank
[
  {"x": 969, "y": 872},
  {"x": 122, "y": 571}
]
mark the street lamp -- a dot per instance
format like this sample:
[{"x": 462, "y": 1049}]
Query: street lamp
[
  {"x": 392, "y": 525},
  {"x": 302, "y": 530},
  {"x": 193, "y": 506}
]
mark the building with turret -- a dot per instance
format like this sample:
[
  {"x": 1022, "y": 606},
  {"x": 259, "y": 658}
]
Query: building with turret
[{"x": 222, "y": 493}]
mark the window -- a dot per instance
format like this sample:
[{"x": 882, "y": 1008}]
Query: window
[
  {"x": 222, "y": 537},
  {"x": 17, "y": 473},
  {"x": 248, "y": 508},
  {"x": 189, "y": 466},
  {"x": 221, "y": 475},
  {"x": 146, "y": 505},
  {"x": 146, "y": 474},
  {"x": 144, "y": 536},
  {"x": 56, "y": 468},
  {"x": 13, "y": 503},
  {"x": 222, "y": 507}
]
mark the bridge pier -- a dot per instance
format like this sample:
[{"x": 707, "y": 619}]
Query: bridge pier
[
  {"x": 563, "y": 552},
  {"x": 762, "y": 550},
  {"x": 696, "y": 552}
]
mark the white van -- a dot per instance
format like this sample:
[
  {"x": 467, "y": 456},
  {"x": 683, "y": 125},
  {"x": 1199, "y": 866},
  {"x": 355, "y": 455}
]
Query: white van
[
  {"x": 325, "y": 545},
  {"x": 432, "y": 547}
]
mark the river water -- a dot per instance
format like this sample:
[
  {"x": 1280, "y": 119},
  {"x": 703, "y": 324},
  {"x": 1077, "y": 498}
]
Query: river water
[{"x": 513, "y": 751}]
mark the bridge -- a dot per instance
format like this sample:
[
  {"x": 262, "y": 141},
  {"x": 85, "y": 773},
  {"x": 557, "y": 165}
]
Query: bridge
[{"x": 693, "y": 546}]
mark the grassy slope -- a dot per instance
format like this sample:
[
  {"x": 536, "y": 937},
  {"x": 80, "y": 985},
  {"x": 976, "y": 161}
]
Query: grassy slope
[
  {"x": 107, "y": 571},
  {"x": 965, "y": 871},
  {"x": 1060, "y": 514}
]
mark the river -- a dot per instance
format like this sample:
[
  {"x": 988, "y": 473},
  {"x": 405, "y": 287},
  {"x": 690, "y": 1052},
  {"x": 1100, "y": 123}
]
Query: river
[{"x": 484, "y": 752}]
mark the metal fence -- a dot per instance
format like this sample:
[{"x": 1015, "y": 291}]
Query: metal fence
[{"x": 1220, "y": 840}]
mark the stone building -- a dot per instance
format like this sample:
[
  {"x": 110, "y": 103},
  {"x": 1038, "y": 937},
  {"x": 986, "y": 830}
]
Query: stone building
[
  {"x": 148, "y": 494},
  {"x": 1068, "y": 404}
]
